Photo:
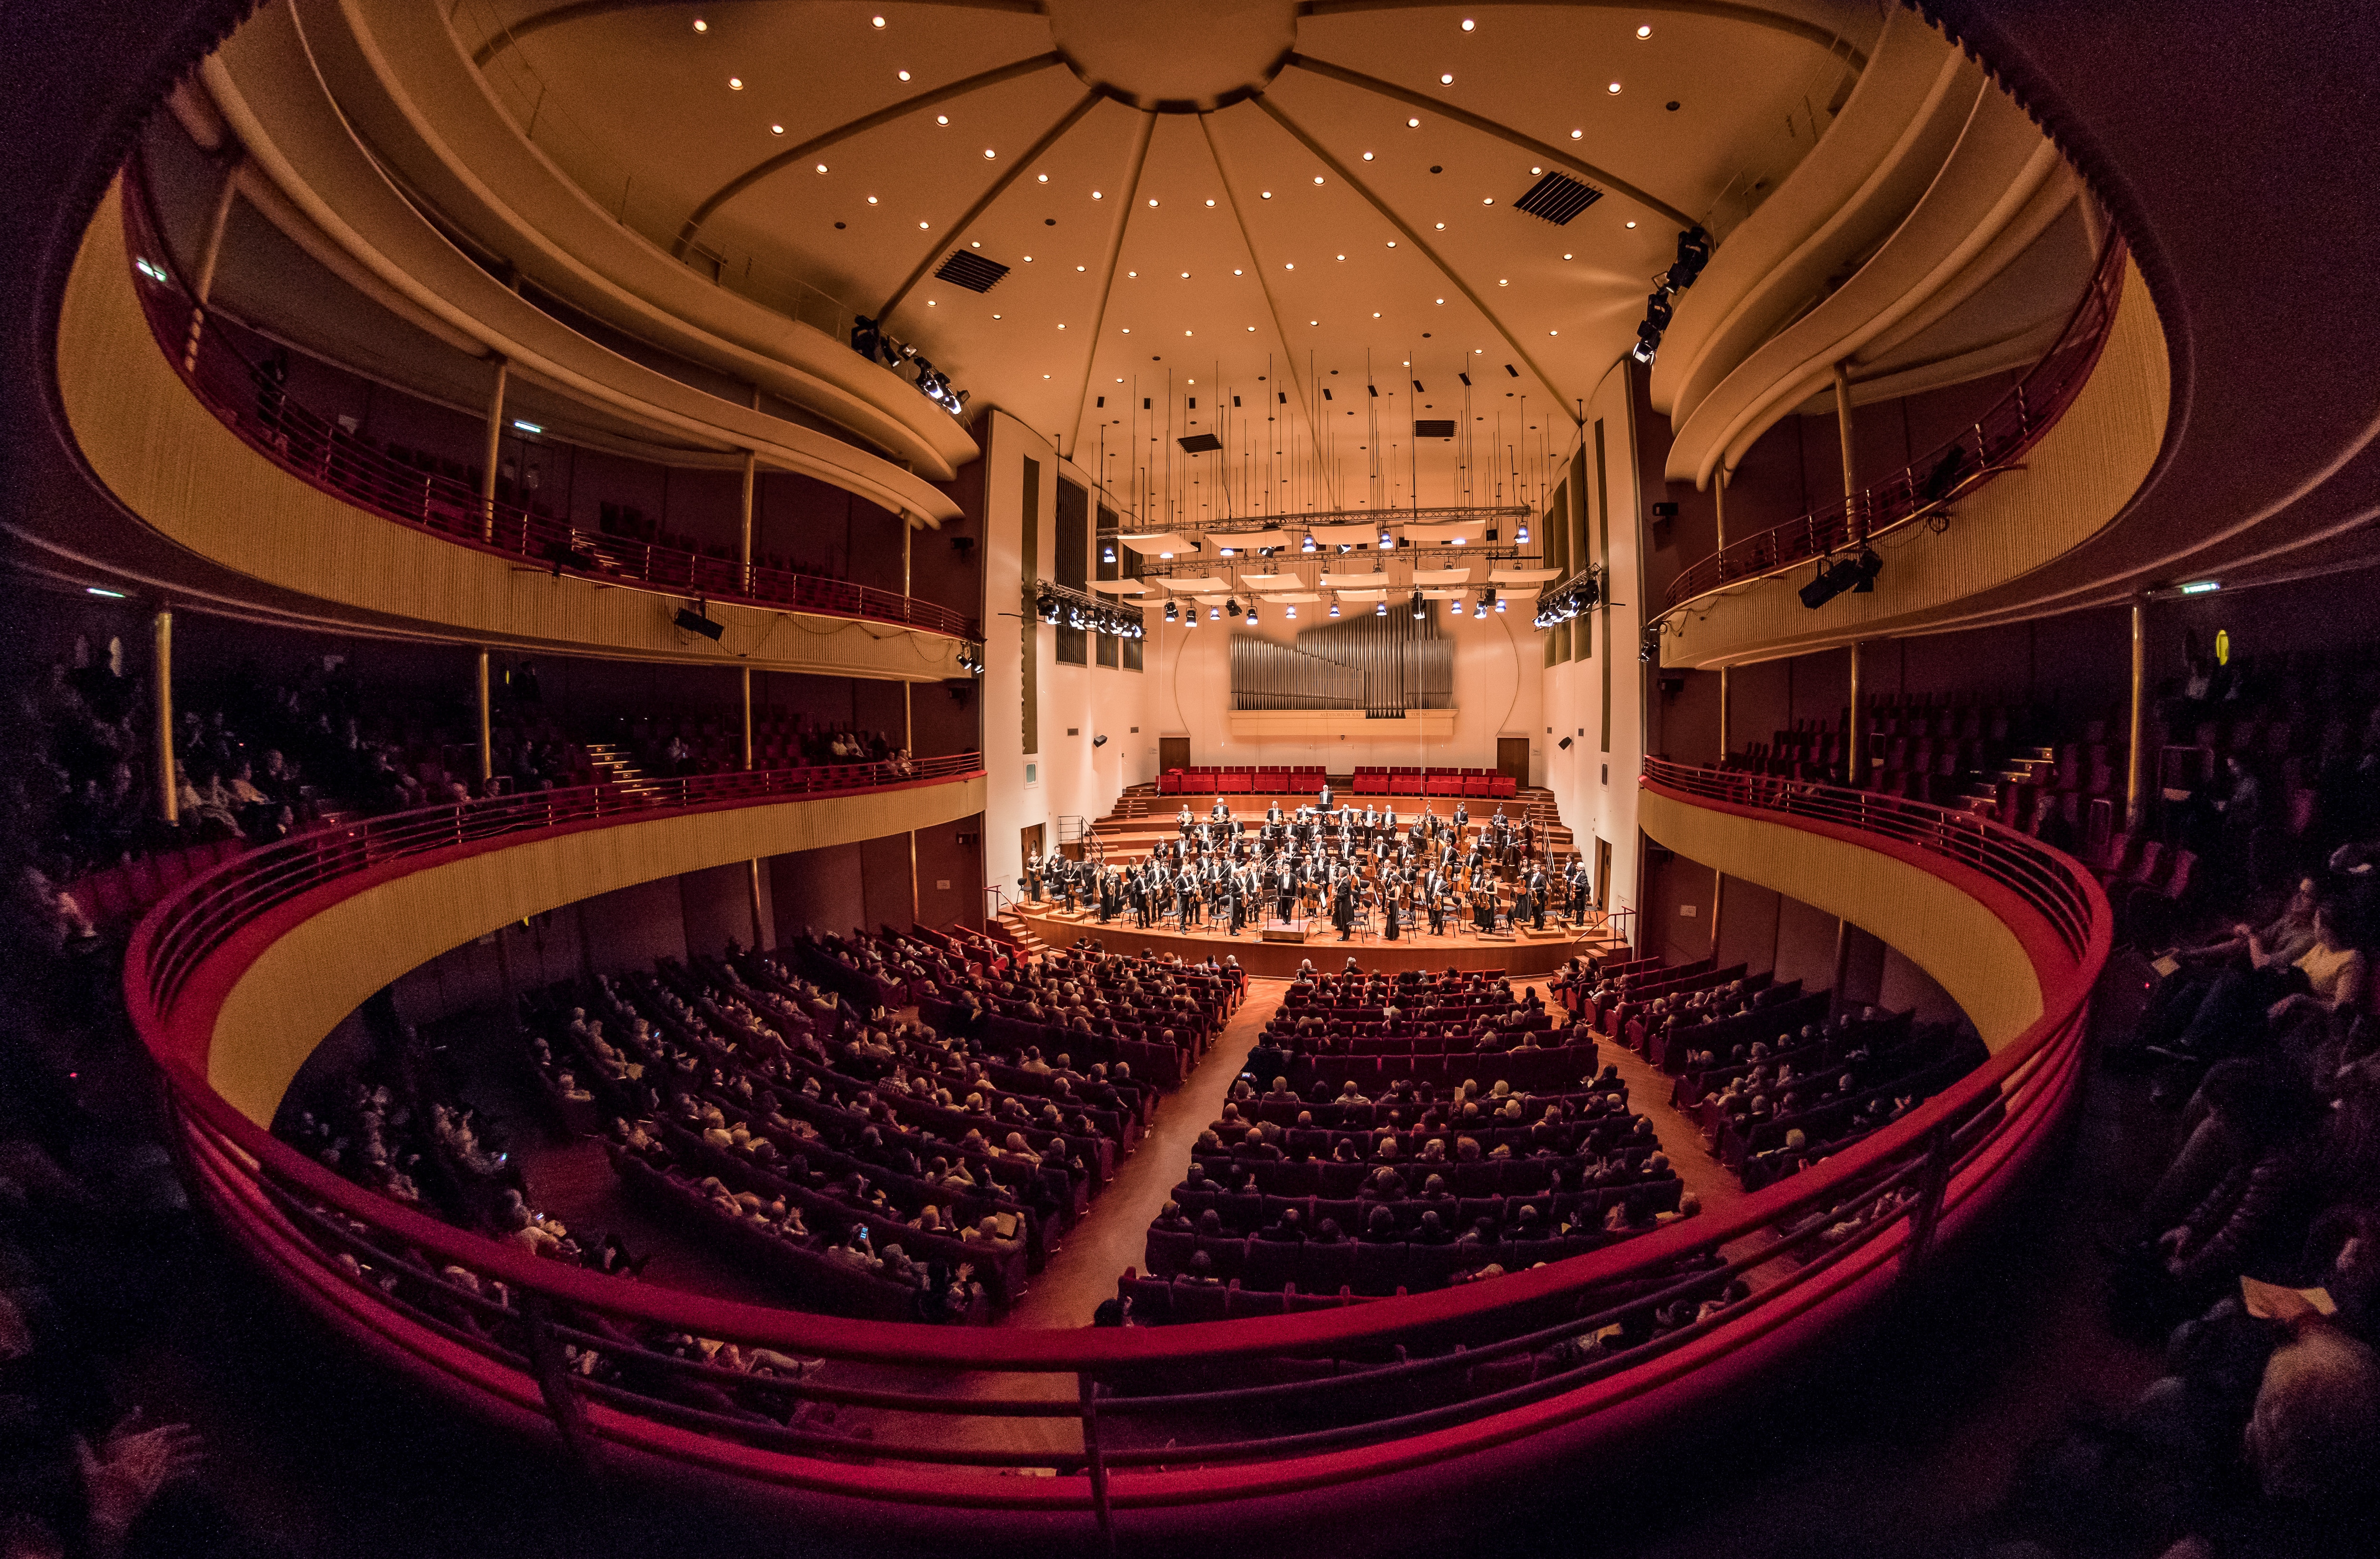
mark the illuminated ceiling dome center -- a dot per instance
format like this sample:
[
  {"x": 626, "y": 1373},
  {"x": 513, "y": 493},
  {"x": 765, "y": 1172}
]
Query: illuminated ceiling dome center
[{"x": 1173, "y": 60}]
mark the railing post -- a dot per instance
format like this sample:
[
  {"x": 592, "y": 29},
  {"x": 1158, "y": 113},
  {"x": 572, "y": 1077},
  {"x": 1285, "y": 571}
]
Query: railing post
[
  {"x": 1928, "y": 1213},
  {"x": 1098, "y": 1467},
  {"x": 545, "y": 1362}
]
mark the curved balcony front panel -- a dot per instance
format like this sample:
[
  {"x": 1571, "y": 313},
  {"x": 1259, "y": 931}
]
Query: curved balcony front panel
[
  {"x": 277, "y": 498},
  {"x": 980, "y": 1438}
]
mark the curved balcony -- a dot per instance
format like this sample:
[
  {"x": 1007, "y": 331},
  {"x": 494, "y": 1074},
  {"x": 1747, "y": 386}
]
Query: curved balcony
[
  {"x": 1997, "y": 443},
  {"x": 981, "y": 1438},
  {"x": 320, "y": 453}
]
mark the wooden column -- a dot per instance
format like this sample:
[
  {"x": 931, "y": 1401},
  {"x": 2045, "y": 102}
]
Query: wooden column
[
  {"x": 203, "y": 285},
  {"x": 1850, "y": 468},
  {"x": 2135, "y": 759},
  {"x": 487, "y": 728},
  {"x": 171, "y": 809},
  {"x": 1856, "y": 739},
  {"x": 751, "y": 485},
  {"x": 495, "y": 450}
]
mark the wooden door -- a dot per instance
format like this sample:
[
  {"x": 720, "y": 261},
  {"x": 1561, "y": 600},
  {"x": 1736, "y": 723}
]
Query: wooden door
[
  {"x": 1601, "y": 890},
  {"x": 1173, "y": 751},
  {"x": 1029, "y": 840},
  {"x": 1513, "y": 757}
]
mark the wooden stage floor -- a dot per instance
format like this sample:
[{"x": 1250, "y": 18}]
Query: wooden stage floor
[{"x": 1526, "y": 953}]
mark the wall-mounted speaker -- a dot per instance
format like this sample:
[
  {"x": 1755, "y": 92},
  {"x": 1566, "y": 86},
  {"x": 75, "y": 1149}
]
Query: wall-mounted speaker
[
  {"x": 694, "y": 622},
  {"x": 1564, "y": 743}
]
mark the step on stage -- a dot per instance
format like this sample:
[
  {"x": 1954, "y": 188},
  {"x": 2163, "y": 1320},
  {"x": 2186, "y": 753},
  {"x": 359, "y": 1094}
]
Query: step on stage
[{"x": 1267, "y": 952}]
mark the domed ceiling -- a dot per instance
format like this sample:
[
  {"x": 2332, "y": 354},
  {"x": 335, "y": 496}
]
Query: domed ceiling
[{"x": 1298, "y": 228}]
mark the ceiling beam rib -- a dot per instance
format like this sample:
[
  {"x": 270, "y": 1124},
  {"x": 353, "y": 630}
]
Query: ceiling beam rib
[
  {"x": 816, "y": 144},
  {"x": 1418, "y": 242},
  {"x": 1107, "y": 277},
  {"x": 1288, "y": 352},
  {"x": 1530, "y": 144},
  {"x": 585, "y": 10},
  {"x": 1009, "y": 176},
  {"x": 1751, "y": 16}
]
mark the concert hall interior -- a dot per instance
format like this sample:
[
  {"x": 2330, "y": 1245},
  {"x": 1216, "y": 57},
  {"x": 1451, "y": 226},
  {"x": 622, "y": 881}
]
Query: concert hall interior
[{"x": 1323, "y": 777}]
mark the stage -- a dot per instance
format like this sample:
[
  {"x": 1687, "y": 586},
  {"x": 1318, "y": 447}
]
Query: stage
[{"x": 1525, "y": 953}]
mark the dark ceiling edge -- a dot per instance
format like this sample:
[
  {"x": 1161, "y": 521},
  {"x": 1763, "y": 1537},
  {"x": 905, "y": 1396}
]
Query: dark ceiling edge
[{"x": 2011, "y": 69}]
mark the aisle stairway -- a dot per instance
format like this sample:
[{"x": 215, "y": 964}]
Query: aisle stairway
[{"x": 614, "y": 767}]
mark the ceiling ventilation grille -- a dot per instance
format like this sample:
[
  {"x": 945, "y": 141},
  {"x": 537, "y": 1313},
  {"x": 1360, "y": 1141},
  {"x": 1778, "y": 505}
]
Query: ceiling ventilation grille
[
  {"x": 1558, "y": 197},
  {"x": 971, "y": 270}
]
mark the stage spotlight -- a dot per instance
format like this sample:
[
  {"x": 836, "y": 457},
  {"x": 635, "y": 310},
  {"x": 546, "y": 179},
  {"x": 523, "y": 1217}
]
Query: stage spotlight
[
  {"x": 1480, "y": 611},
  {"x": 1107, "y": 552},
  {"x": 1522, "y": 535},
  {"x": 1292, "y": 614},
  {"x": 1214, "y": 613},
  {"x": 1381, "y": 607},
  {"x": 1821, "y": 589},
  {"x": 1252, "y": 614},
  {"x": 1334, "y": 606},
  {"x": 1387, "y": 541},
  {"x": 1098, "y": 741},
  {"x": 1417, "y": 608},
  {"x": 1642, "y": 353},
  {"x": 1172, "y": 611},
  {"x": 1309, "y": 543},
  {"x": 1499, "y": 603},
  {"x": 1869, "y": 566},
  {"x": 1657, "y": 311},
  {"x": 1233, "y": 606}
]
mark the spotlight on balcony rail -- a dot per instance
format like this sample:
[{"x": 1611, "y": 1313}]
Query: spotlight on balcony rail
[{"x": 700, "y": 623}]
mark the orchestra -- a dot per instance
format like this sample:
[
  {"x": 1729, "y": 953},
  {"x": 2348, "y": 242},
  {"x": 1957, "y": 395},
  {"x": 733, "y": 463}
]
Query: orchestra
[{"x": 1365, "y": 872}]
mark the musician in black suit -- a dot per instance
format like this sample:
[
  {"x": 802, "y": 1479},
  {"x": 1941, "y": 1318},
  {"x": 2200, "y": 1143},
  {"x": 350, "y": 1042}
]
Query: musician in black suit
[{"x": 1342, "y": 906}]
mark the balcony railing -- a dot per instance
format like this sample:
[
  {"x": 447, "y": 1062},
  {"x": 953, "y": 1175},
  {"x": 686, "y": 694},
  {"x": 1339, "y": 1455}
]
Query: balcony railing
[
  {"x": 250, "y": 401},
  {"x": 1153, "y": 1427},
  {"x": 1928, "y": 486}
]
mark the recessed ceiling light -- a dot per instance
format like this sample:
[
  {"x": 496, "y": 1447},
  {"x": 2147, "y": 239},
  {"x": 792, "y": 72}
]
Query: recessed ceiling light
[
  {"x": 977, "y": 244},
  {"x": 1152, "y": 199},
  {"x": 1043, "y": 178},
  {"x": 1119, "y": 382},
  {"x": 1631, "y": 225},
  {"x": 1441, "y": 227},
  {"x": 942, "y": 119},
  {"x": 1079, "y": 268},
  {"x": 1576, "y": 134},
  {"x": 821, "y": 168},
  {"x": 924, "y": 225},
  {"x": 1487, "y": 200},
  {"x": 700, "y": 25},
  {"x": 1290, "y": 265},
  {"x": 1441, "y": 300},
  {"x": 1132, "y": 272},
  {"x": 930, "y": 302},
  {"x": 871, "y": 200},
  {"x": 1413, "y": 124},
  {"x": 1210, "y": 202},
  {"x": 905, "y": 76},
  {"x": 776, "y": 129},
  {"x": 1368, "y": 156},
  {"x": 1565, "y": 257},
  {"x": 1235, "y": 269},
  {"x": 1186, "y": 275},
  {"x": 1342, "y": 257},
  {"x": 875, "y": 22},
  {"x": 1447, "y": 79},
  {"x": 987, "y": 152},
  {"x": 1536, "y": 169},
  {"x": 1613, "y": 88},
  {"x": 1313, "y": 321},
  {"x": 1252, "y": 327},
  {"x": 1504, "y": 281},
  {"x": 1376, "y": 313},
  {"x": 736, "y": 83},
  {"x": 1548, "y": 333},
  {"x": 1644, "y": 31},
  {"x": 1028, "y": 260},
  {"x": 1186, "y": 333},
  {"x": 1317, "y": 178},
  {"x": 1392, "y": 243},
  {"x": 1268, "y": 194},
  {"x": 995, "y": 316}
]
